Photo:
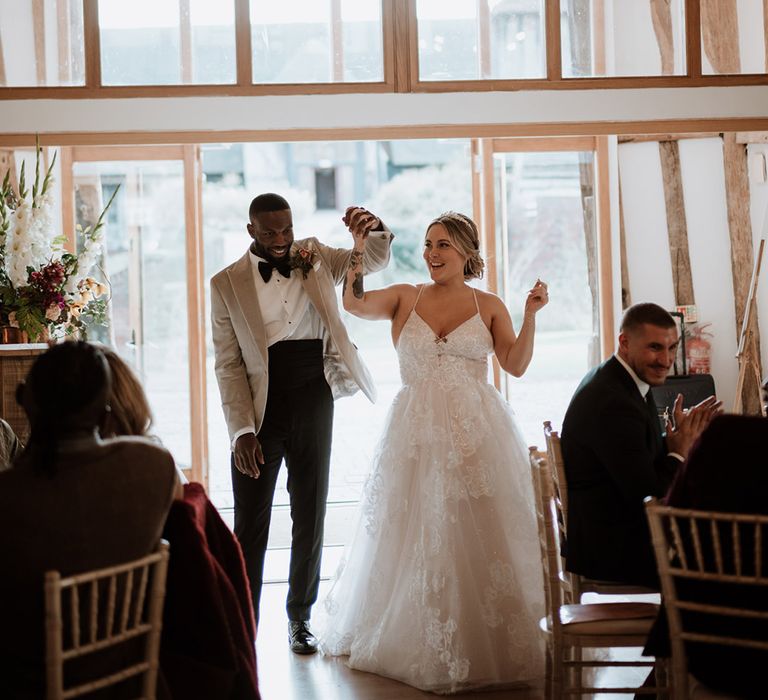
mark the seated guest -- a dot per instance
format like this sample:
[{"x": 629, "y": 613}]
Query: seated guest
[
  {"x": 726, "y": 472},
  {"x": 615, "y": 454},
  {"x": 10, "y": 447},
  {"x": 71, "y": 502},
  {"x": 129, "y": 412}
]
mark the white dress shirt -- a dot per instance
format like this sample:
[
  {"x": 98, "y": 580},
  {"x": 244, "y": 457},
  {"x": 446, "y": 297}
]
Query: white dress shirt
[
  {"x": 285, "y": 307},
  {"x": 642, "y": 387}
]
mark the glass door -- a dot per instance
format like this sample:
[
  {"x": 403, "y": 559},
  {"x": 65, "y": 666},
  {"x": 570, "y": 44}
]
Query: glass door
[
  {"x": 543, "y": 214},
  {"x": 149, "y": 264}
]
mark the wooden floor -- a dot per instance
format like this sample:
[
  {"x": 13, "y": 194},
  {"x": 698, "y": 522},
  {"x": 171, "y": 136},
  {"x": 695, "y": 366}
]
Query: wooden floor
[{"x": 287, "y": 676}]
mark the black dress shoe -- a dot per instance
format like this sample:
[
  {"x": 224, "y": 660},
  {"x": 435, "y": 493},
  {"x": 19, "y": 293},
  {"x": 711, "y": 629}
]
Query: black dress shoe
[{"x": 302, "y": 641}]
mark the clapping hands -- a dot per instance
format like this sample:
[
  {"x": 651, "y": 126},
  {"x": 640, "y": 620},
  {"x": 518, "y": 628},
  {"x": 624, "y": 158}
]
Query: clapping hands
[
  {"x": 360, "y": 223},
  {"x": 689, "y": 424}
]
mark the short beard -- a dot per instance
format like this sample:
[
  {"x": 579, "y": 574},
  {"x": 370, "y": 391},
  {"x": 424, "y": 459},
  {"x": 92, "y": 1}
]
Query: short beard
[{"x": 260, "y": 251}]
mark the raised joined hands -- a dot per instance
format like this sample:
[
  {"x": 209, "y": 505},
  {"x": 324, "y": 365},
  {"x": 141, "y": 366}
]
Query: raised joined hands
[
  {"x": 689, "y": 424},
  {"x": 360, "y": 223}
]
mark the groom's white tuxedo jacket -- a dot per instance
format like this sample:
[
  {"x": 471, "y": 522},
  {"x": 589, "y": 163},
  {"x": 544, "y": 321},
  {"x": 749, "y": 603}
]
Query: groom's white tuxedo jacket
[{"x": 240, "y": 341}]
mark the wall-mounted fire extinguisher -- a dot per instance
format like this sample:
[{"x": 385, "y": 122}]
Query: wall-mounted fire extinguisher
[{"x": 698, "y": 349}]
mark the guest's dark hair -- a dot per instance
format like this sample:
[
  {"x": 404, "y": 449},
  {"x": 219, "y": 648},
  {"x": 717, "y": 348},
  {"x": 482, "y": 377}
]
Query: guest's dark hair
[
  {"x": 652, "y": 314},
  {"x": 66, "y": 390},
  {"x": 269, "y": 201}
]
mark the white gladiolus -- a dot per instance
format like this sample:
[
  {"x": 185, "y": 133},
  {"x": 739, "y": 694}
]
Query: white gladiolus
[{"x": 29, "y": 241}]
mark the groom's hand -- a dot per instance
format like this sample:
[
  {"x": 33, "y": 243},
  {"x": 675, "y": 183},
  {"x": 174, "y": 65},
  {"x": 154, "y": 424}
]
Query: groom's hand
[
  {"x": 247, "y": 454},
  {"x": 360, "y": 221}
]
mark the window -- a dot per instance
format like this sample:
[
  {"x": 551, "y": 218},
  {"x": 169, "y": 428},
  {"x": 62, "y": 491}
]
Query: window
[
  {"x": 545, "y": 205},
  {"x": 733, "y": 37},
  {"x": 316, "y": 41},
  {"x": 41, "y": 43},
  {"x": 622, "y": 38},
  {"x": 471, "y": 39},
  {"x": 145, "y": 263},
  {"x": 167, "y": 42}
]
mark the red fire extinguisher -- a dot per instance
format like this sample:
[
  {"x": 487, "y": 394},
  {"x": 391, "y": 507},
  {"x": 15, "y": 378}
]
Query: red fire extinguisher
[{"x": 698, "y": 349}]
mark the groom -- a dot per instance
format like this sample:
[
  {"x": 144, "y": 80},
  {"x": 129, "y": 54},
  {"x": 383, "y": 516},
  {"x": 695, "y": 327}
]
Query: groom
[{"x": 282, "y": 356}]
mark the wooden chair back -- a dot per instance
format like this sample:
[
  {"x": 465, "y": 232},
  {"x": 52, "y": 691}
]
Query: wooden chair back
[
  {"x": 556, "y": 582},
  {"x": 93, "y": 611},
  {"x": 570, "y": 625},
  {"x": 710, "y": 548},
  {"x": 555, "y": 459},
  {"x": 559, "y": 489}
]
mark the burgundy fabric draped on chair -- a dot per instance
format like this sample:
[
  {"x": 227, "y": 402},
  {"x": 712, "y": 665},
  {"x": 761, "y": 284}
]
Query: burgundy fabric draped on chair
[{"x": 207, "y": 648}]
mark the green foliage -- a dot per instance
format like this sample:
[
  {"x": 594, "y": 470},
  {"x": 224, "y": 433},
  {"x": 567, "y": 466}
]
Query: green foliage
[
  {"x": 45, "y": 297},
  {"x": 95, "y": 314}
]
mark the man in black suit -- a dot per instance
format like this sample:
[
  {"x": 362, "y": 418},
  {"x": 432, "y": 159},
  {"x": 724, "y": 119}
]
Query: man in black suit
[{"x": 615, "y": 454}]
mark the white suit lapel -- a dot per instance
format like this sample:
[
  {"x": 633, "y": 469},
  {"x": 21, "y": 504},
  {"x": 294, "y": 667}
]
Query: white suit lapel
[
  {"x": 241, "y": 278},
  {"x": 315, "y": 294}
]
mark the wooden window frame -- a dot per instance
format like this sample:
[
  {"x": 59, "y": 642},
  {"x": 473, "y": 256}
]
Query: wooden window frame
[
  {"x": 93, "y": 88},
  {"x": 483, "y": 192},
  {"x": 401, "y": 65}
]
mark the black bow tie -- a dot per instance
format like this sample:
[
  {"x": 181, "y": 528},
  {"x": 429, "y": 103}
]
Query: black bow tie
[{"x": 266, "y": 267}]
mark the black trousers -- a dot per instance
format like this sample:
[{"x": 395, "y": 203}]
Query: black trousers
[{"x": 297, "y": 429}]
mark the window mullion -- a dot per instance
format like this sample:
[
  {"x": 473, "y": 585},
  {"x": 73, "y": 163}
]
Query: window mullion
[
  {"x": 693, "y": 38},
  {"x": 553, "y": 47},
  {"x": 92, "y": 41},
  {"x": 405, "y": 44},
  {"x": 243, "y": 51}
]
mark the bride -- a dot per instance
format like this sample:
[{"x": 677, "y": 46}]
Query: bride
[{"x": 441, "y": 587}]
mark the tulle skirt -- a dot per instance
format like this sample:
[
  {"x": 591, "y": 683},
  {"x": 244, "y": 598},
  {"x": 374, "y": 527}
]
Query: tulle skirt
[{"x": 441, "y": 587}]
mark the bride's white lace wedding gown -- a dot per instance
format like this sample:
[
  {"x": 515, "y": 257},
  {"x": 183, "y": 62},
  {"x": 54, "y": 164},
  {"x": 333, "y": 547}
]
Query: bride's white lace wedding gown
[{"x": 441, "y": 587}]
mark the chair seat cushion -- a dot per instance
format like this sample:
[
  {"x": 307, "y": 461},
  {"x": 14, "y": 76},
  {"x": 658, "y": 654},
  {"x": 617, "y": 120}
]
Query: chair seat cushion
[{"x": 608, "y": 618}]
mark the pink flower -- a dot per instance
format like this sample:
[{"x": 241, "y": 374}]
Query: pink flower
[
  {"x": 53, "y": 312},
  {"x": 303, "y": 259}
]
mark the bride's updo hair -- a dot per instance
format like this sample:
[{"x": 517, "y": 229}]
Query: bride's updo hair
[{"x": 465, "y": 238}]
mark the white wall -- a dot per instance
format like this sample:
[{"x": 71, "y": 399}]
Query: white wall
[
  {"x": 631, "y": 46},
  {"x": 528, "y": 108},
  {"x": 650, "y": 267}
]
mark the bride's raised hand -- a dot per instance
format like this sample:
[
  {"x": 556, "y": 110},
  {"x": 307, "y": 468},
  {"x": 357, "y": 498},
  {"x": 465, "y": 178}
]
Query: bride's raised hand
[
  {"x": 537, "y": 298},
  {"x": 360, "y": 223}
]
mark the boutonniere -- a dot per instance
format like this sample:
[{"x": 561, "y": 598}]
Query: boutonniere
[{"x": 303, "y": 259}]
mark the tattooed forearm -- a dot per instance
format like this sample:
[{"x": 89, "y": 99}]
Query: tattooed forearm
[
  {"x": 355, "y": 259},
  {"x": 357, "y": 286},
  {"x": 354, "y": 274}
]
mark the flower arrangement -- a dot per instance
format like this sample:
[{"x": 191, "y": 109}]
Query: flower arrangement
[
  {"x": 303, "y": 259},
  {"x": 45, "y": 290}
]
